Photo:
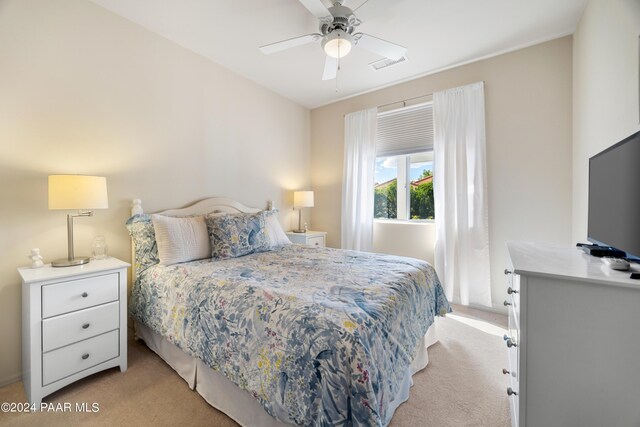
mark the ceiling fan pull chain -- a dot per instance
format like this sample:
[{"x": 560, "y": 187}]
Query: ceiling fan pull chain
[
  {"x": 338, "y": 69},
  {"x": 339, "y": 45}
]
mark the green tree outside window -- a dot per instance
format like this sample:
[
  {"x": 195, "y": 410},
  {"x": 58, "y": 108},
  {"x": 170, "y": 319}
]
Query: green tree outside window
[{"x": 422, "y": 203}]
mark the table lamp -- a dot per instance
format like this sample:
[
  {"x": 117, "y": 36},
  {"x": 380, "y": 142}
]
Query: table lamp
[
  {"x": 301, "y": 200},
  {"x": 76, "y": 192}
]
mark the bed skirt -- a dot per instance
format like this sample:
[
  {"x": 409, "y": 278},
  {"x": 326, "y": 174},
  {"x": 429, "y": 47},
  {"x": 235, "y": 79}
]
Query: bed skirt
[{"x": 238, "y": 404}]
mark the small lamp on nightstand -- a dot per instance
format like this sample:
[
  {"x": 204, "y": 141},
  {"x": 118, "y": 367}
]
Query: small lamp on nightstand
[
  {"x": 301, "y": 200},
  {"x": 79, "y": 192}
]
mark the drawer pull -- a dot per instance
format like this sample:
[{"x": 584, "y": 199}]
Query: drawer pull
[
  {"x": 85, "y": 356},
  {"x": 511, "y": 291},
  {"x": 85, "y": 326},
  {"x": 510, "y": 392},
  {"x": 507, "y": 271},
  {"x": 506, "y": 303},
  {"x": 510, "y": 342},
  {"x": 505, "y": 372},
  {"x": 84, "y": 295}
]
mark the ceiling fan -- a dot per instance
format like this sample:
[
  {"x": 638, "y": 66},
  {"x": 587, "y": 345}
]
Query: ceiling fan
[{"x": 337, "y": 34}]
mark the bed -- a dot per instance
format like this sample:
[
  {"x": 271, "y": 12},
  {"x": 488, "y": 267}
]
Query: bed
[{"x": 292, "y": 335}]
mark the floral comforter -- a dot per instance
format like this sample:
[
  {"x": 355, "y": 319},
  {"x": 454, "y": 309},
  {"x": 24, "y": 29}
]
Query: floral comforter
[{"x": 318, "y": 336}]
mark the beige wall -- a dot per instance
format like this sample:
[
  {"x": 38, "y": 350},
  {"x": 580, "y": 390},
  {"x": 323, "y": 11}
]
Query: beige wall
[
  {"x": 605, "y": 89},
  {"x": 528, "y": 95},
  {"x": 85, "y": 91},
  {"x": 405, "y": 239}
]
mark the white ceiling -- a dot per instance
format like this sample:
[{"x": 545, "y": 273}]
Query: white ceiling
[{"x": 438, "y": 34}]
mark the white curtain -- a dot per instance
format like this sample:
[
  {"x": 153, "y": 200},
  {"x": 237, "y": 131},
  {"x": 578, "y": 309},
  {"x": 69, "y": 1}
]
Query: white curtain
[
  {"x": 460, "y": 192},
  {"x": 358, "y": 180}
]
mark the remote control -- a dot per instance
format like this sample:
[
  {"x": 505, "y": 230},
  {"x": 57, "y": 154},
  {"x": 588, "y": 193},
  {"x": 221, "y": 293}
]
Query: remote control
[{"x": 616, "y": 263}]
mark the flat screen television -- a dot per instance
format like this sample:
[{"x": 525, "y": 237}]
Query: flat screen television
[{"x": 614, "y": 197}]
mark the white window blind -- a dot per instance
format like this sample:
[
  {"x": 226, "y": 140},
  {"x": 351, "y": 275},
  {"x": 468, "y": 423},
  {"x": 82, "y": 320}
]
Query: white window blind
[{"x": 405, "y": 131}]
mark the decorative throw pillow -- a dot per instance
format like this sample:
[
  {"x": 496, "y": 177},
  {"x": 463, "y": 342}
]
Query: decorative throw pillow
[
  {"x": 237, "y": 235},
  {"x": 277, "y": 236},
  {"x": 181, "y": 239},
  {"x": 144, "y": 241}
]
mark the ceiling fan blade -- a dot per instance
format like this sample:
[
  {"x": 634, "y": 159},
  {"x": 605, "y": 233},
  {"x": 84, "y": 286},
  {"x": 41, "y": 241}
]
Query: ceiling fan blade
[
  {"x": 288, "y": 44},
  {"x": 370, "y": 9},
  {"x": 330, "y": 68},
  {"x": 379, "y": 46},
  {"x": 317, "y": 8}
]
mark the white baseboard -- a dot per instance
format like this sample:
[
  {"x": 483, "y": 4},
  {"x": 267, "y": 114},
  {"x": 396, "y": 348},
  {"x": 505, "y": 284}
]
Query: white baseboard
[
  {"x": 10, "y": 379},
  {"x": 495, "y": 308}
]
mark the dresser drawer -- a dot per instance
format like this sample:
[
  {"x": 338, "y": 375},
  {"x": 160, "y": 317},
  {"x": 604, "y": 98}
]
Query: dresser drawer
[
  {"x": 514, "y": 403},
  {"x": 514, "y": 400},
  {"x": 513, "y": 332},
  {"x": 513, "y": 355},
  {"x": 316, "y": 241},
  {"x": 77, "y": 326},
  {"x": 513, "y": 292},
  {"x": 77, "y": 357},
  {"x": 513, "y": 367},
  {"x": 78, "y": 294}
]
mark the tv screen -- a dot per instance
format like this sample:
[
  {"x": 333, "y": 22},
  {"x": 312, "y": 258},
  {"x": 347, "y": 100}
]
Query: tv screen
[{"x": 614, "y": 196}]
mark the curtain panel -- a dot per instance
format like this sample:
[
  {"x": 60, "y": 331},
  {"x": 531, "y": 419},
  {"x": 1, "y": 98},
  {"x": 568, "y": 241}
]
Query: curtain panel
[
  {"x": 460, "y": 193},
  {"x": 359, "y": 179}
]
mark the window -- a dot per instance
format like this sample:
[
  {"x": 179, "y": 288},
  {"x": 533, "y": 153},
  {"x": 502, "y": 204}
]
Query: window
[
  {"x": 404, "y": 165},
  {"x": 386, "y": 188},
  {"x": 421, "y": 188}
]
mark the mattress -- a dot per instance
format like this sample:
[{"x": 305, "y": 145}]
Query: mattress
[{"x": 314, "y": 335}]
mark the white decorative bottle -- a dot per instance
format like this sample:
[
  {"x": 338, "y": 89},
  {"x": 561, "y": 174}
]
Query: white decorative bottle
[{"x": 36, "y": 259}]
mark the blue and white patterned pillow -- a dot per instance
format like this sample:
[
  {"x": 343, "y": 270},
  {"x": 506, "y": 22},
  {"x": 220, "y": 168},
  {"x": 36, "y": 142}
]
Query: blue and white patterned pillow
[
  {"x": 144, "y": 240},
  {"x": 233, "y": 236}
]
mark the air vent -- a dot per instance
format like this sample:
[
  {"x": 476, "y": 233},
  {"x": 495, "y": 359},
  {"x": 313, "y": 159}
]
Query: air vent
[{"x": 386, "y": 62}]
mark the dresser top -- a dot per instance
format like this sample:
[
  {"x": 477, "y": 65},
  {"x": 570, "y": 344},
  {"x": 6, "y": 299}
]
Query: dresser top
[
  {"x": 550, "y": 260},
  {"x": 30, "y": 275}
]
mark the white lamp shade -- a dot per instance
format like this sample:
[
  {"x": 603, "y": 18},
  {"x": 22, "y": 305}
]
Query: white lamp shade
[
  {"x": 77, "y": 192},
  {"x": 303, "y": 199}
]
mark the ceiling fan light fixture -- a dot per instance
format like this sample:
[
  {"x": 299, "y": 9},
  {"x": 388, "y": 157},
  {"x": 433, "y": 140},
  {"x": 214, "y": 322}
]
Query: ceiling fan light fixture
[{"x": 337, "y": 44}]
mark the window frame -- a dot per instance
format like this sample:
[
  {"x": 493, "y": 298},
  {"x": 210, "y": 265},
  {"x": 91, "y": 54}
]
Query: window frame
[
  {"x": 402, "y": 136},
  {"x": 403, "y": 178}
]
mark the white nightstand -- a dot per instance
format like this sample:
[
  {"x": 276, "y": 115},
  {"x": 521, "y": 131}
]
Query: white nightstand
[
  {"x": 74, "y": 324},
  {"x": 310, "y": 238}
]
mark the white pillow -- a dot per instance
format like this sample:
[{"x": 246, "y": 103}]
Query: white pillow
[
  {"x": 277, "y": 236},
  {"x": 181, "y": 239}
]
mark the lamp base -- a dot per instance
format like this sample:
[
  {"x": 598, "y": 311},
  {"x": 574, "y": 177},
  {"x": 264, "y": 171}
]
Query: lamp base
[
  {"x": 299, "y": 231},
  {"x": 65, "y": 262}
]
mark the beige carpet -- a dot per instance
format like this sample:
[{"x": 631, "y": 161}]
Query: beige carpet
[{"x": 462, "y": 386}]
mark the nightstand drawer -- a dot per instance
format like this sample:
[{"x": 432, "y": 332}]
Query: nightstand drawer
[
  {"x": 80, "y": 325},
  {"x": 77, "y": 357},
  {"x": 310, "y": 238},
  {"x": 78, "y": 294},
  {"x": 317, "y": 241}
]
